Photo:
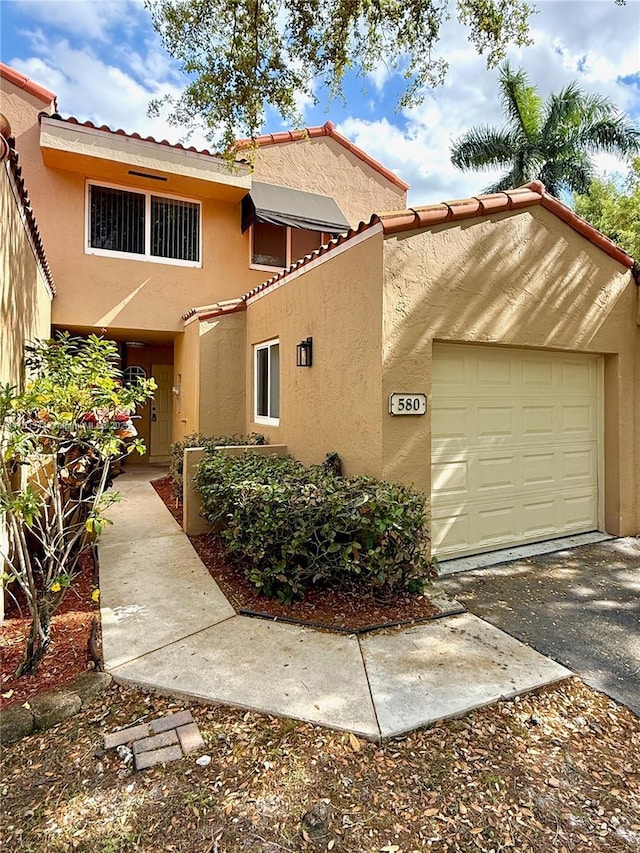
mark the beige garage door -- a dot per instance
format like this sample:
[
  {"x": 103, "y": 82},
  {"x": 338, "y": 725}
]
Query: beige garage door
[{"x": 515, "y": 437}]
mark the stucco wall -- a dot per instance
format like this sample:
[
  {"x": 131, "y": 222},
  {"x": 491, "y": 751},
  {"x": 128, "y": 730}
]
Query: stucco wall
[
  {"x": 527, "y": 280},
  {"x": 335, "y": 405},
  {"x": 222, "y": 375},
  {"x": 115, "y": 293},
  {"x": 322, "y": 165},
  {"x": 186, "y": 372},
  {"x": 25, "y": 302},
  {"x": 21, "y": 108}
]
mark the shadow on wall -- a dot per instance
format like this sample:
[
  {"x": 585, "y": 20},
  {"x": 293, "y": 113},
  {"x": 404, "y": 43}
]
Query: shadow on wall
[
  {"x": 523, "y": 279},
  {"x": 24, "y": 300}
]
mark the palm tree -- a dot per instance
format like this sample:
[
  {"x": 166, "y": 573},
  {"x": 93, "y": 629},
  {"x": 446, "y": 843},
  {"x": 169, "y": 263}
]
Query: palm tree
[{"x": 550, "y": 141}]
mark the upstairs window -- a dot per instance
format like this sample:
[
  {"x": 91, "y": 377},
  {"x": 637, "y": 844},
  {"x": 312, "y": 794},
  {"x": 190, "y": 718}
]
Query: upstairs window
[
  {"x": 279, "y": 246},
  {"x": 148, "y": 226},
  {"x": 266, "y": 368}
]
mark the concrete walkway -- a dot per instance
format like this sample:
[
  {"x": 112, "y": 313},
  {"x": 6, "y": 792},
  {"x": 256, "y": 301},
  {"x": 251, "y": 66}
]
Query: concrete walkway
[{"x": 166, "y": 625}]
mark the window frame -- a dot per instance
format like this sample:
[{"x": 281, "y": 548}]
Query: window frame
[
  {"x": 147, "y": 257},
  {"x": 324, "y": 238},
  {"x": 267, "y": 420}
]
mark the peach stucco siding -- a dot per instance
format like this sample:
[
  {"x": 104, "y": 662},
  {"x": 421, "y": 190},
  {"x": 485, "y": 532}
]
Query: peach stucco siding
[
  {"x": 523, "y": 280},
  {"x": 25, "y": 300},
  {"x": 335, "y": 405},
  {"x": 324, "y": 166},
  {"x": 115, "y": 293}
]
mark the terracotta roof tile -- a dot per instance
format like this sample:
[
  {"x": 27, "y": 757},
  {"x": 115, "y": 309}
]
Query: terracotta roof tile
[
  {"x": 327, "y": 129},
  {"x": 9, "y": 153},
  {"x": 207, "y": 312},
  {"x": 25, "y": 83},
  {"x": 120, "y": 132},
  {"x": 416, "y": 218}
]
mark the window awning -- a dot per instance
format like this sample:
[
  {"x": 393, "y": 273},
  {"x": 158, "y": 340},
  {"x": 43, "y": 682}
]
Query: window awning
[{"x": 285, "y": 206}]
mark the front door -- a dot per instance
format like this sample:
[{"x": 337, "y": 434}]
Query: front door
[{"x": 161, "y": 406}]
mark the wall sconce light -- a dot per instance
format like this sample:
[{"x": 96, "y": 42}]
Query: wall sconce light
[{"x": 304, "y": 353}]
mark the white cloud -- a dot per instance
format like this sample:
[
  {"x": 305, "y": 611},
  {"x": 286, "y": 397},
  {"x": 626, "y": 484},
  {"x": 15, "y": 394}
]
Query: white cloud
[
  {"x": 572, "y": 41},
  {"x": 94, "y": 19},
  {"x": 105, "y": 62}
]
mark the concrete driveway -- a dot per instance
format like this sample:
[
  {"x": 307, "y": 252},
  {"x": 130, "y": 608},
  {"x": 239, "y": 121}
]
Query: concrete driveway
[{"x": 580, "y": 606}]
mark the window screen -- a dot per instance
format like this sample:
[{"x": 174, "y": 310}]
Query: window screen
[
  {"x": 117, "y": 220},
  {"x": 175, "y": 229},
  {"x": 267, "y": 381},
  {"x": 304, "y": 242}
]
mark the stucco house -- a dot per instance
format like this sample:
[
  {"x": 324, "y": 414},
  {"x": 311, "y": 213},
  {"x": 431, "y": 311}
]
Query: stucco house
[{"x": 486, "y": 350}]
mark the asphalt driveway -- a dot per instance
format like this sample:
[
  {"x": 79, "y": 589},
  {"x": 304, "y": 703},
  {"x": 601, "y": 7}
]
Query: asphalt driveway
[{"x": 580, "y": 606}]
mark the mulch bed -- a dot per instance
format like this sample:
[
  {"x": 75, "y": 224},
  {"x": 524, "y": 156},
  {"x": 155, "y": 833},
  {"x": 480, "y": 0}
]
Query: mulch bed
[
  {"x": 351, "y": 610},
  {"x": 68, "y": 653}
]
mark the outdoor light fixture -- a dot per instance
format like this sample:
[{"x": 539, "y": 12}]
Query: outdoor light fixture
[{"x": 304, "y": 353}]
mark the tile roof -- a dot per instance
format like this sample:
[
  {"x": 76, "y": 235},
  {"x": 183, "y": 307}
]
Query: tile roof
[
  {"x": 25, "y": 83},
  {"x": 416, "y": 218},
  {"x": 10, "y": 155},
  {"x": 120, "y": 132},
  {"x": 327, "y": 129},
  {"x": 219, "y": 309}
]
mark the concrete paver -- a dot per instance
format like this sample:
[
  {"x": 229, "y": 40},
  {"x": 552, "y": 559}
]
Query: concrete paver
[
  {"x": 171, "y": 721},
  {"x": 174, "y": 736},
  {"x": 153, "y": 590},
  {"x": 281, "y": 669},
  {"x": 448, "y": 667},
  {"x": 167, "y": 626},
  {"x": 144, "y": 760},
  {"x": 147, "y": 744},
  {"x": 190, "y": 738},
  {"x": 124, "y": 736}
]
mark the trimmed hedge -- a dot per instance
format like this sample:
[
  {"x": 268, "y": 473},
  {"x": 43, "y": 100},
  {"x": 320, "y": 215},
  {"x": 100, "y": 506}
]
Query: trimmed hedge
[
  {"x": 209, "y": 442},
  {"x": 292, "y": 526}
]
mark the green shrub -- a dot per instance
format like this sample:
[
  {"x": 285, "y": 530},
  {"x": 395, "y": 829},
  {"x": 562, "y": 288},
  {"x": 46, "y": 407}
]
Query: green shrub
[
  {"x": 293, "y": 526},
  {"x": 209, "y": 442}
]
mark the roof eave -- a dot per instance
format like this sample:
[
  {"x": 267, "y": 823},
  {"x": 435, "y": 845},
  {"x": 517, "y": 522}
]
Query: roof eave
[{"x": 327, "y": 129}]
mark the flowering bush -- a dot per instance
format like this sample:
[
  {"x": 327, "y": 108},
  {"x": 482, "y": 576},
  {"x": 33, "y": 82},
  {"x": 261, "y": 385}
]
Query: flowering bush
[{"x": 61, "y": 442}]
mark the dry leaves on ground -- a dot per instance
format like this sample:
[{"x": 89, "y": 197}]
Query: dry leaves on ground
[{"x": 552, "y": 772}]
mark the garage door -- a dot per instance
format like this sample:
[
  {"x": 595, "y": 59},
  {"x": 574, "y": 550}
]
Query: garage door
[{"x": 515, "y": 437}]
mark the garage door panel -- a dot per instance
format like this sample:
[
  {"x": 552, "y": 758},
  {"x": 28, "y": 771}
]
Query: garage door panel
[
  {"x": 449, "y": 422},
  {"x": 579, "y": 420},
  {"x": 537, "y": 375},
  {"x": 538, "y": 469},
  {"x": 538, "y": 420},
  {"x": 514, "y": 447},
  {"x": 496, "y": 473},
  {"x": 450, "y": 478}
]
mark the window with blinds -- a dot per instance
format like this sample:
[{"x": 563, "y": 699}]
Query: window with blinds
[{"x": 142, "y": 224}]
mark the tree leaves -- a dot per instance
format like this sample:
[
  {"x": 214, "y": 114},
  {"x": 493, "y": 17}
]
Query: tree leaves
[
  {"x": 550, "y": 141},
  {"x": 241, "y": 55}
]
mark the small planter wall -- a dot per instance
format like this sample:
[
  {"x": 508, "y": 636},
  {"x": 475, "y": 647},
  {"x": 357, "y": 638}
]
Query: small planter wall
[{"x": 192, "y": 521}]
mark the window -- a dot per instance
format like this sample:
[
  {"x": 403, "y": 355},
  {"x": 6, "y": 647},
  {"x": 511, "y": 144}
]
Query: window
[
  {"x": 133, "y": 374},
  {"x": 267, "y": 383},
  {"x": 151, "y": 227},
  {"x": 280, "y": 245}
]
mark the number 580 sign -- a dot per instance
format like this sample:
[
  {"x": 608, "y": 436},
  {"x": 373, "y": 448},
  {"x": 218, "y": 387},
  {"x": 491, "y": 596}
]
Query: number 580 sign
[{"x": 408, "y": 404}]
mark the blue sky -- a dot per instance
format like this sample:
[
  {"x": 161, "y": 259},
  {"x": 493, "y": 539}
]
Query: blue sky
[{"x": 105, "y": 63}]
